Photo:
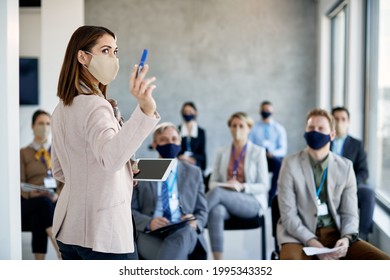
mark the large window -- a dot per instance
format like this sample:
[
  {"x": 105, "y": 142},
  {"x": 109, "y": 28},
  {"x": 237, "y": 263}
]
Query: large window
[
  {"x": 339, "y": 30},
  {"x": 379, "y": 94}
]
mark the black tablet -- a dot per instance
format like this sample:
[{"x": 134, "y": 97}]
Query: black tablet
[
  {"x": 171, "y": 226},
  {"x": 156, "y": 169}
]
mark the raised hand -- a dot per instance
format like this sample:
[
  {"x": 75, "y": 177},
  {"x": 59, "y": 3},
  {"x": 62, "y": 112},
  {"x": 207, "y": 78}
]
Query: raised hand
[{"x": 142, "y": 89}]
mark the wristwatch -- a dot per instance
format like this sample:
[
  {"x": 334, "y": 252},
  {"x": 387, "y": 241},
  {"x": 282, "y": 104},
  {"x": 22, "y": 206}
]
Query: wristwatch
[{"x": 351, "y": 238}]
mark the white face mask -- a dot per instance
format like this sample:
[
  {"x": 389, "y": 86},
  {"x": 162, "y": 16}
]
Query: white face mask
[
  {"x": 103, "y": 67},
  {"x": 42, "y": 131}
]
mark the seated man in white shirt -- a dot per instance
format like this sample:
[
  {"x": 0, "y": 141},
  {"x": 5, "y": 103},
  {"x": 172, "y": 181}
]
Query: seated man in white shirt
[{"x": 272, "y": 136}]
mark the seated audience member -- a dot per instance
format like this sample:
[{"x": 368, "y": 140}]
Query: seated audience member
[
  {"x": 318, "y": 201},
  {"x": 37, "y": 207},
  {"x": 239, "y": 182},
  {"x": 157, "y": 204},
  {"x": 351, "y": 148},
  {"x": 193, "y": 137},
  {"x": 272, "y": 136}
]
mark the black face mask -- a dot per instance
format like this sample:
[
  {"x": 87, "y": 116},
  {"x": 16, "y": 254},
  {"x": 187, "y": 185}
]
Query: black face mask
[
  {"x": 168, "y": 150},
  {"x": 316, "y": 140},
  {"x": 188, "y": 118},
  {"x": 265, "y": 115}
]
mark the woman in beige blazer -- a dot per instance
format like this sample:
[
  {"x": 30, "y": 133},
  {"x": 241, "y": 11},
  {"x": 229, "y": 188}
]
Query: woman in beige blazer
[
  {"x": 91, "y": 152},
  {"x": 239, "y": 181}
]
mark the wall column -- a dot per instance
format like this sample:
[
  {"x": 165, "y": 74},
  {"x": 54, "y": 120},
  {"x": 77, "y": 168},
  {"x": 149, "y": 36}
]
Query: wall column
[{"x": 10, "y": 233}]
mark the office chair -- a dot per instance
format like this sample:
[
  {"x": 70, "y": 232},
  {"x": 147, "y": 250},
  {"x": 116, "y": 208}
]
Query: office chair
[
  {"x": 275, "y": 213},
  {"x": 236, "y": 223}
]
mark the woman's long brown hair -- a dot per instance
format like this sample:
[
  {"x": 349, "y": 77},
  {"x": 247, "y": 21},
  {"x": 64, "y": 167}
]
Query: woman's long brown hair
[{"x": 84, "y": 38}]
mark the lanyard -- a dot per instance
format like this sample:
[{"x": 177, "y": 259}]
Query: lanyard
[
  {"x": 322, "y": 183},
  {"x": 172, "y": 185},
  {"x": 237, "y": 161},
  {"x": 44, "y": 156}
]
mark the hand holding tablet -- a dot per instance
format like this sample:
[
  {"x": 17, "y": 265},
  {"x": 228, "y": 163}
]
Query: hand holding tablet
[{"x": 154, "y": 169}]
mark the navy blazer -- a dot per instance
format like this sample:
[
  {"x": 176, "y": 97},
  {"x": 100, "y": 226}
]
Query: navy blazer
[{"x": 353, "y": 150}]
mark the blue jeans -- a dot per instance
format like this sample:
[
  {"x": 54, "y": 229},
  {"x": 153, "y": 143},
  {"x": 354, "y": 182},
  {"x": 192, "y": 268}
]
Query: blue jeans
[{"x": 74, "y": 252}]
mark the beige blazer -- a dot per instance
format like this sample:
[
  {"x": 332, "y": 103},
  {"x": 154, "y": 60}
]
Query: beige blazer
[
  {"x": 297, "y": 198},
  {"x": 90, "y": 154},
  {"x": 255, "y": 168}
]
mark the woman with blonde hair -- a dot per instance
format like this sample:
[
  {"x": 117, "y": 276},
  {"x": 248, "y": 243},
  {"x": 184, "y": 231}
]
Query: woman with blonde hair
[{"x": 239, "y": 181}]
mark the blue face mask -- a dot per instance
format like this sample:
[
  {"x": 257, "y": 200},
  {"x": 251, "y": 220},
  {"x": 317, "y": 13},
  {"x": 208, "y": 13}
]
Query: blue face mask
[
  {"x": 168, "y": 150},
  {"x": 316, "y": 140},
  {"x": 188, "y": 118},
  {"x": 265, "y": 115}
]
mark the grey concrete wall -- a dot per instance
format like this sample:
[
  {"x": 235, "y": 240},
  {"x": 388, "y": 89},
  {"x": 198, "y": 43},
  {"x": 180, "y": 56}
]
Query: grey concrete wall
[{"x": 225, "y": 55}]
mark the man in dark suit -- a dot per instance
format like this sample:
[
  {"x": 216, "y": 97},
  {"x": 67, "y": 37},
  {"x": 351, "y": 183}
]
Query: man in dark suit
[
  {"x": 353, "y": 149},
  {"x": 185, "y": 190}
]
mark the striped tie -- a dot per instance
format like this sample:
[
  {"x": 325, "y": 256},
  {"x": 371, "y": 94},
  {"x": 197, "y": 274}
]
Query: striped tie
[{"x": 165, "y": 201}]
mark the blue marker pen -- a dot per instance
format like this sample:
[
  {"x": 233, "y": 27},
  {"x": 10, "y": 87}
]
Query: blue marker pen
[{"x": 142, "y": 61}]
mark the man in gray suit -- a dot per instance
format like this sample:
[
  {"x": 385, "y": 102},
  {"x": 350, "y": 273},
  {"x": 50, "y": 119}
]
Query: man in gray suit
[
  {"x": 318, "y": 201},
  {"x": 187, "y": 200}
]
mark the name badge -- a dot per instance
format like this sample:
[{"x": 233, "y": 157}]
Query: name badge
[
  {"x": 322, "y": 209},
  {"x": 50, "y": 183}
]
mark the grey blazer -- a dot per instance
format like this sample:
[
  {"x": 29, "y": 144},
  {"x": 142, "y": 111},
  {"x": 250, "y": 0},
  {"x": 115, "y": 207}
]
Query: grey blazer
[
  {"x": 297, "y": 198},
  {"x": 192, "y": 199}
]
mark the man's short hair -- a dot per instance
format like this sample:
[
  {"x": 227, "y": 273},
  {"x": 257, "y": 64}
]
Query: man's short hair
[
  {"x": 340, "y": 109},
  {"x": 318, "y": 112},
  {"x": 162, "y": 127},
  {"x": 242, "y": 116}
]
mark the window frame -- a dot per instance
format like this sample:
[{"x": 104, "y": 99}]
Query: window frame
[
  {"x": 371, "y": 90},
  {"x": 334, "y": 12}
]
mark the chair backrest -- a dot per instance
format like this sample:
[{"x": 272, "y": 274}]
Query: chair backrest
[
  {"x": 236, "y": 223},
  {"x": 275, "y": 212}
]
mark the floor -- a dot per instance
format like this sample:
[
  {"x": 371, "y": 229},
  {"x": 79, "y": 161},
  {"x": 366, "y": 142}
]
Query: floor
[
  {"x": 26, "y": 248},
  {"x": 245, "y": 244},
  {"x": 239, "y": 245}
]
